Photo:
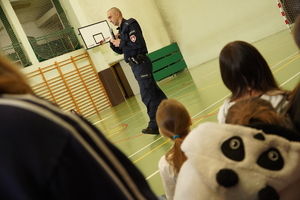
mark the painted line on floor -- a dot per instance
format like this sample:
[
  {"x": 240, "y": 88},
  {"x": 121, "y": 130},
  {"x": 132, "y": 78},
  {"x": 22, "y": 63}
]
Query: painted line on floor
[
  {"x": 212, "y": 105},
  {"x": 151, "y": 151},
  {"x": 101, "y": 120},
  {"x": 289, "y": 79},
  {"x": 285, "y": 65},
  {"x": 121, "y": 122},
  {"x": 198, "y": 90},
  {"x": 127, "y": 138},
  {"x": 277, "y": 47},
  {"x": 152, "y": 175},
  {"x": 145, "y": 147},
  {"x": 285, "y": 59},
  {"x": 208, "y": 115},
  {"x": 116, "y": 131}
]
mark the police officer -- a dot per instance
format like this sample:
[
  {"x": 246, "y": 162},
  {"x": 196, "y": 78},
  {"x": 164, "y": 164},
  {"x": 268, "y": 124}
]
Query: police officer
[{"x": 130, "y": 42}]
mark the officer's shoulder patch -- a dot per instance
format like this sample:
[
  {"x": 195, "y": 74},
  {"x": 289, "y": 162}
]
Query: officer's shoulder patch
[{"x": 132, "y": 38}]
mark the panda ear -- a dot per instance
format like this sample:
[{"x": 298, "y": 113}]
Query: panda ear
[
  {"x": 281, "y": 131},
  {"x": 259, "y": 136}
]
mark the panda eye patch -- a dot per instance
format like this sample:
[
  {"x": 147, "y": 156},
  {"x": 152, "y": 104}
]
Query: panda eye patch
[
  {"x": 271, "y": 159},
  {"x": 233, "y": 148}
]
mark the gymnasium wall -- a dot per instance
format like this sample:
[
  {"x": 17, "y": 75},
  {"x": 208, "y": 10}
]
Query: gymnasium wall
[{"x": 201, "y": 28}]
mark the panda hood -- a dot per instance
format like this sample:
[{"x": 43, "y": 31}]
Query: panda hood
[{"x": 233, "y": 162}]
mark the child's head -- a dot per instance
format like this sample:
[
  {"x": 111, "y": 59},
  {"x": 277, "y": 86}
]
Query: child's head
[
  {"x": 243, "y": 68},
  {"x": 174, "y": 122},
  {"x": 173, "y": 119},
  {"x": 253, "y": 110}
]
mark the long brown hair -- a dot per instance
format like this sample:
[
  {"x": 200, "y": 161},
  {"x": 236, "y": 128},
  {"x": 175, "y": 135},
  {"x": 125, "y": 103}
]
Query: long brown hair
[
  {"x": 12, "y": 80},
  {"x": 243, "y": 67},
  {"x": 253, "y": 110},
  {"x": 173, "y": 119}
]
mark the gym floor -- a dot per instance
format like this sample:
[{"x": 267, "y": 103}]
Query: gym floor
[{"x": 201, "y": 90}]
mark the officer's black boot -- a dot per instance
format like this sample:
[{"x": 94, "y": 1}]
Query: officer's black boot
[{"x": 150, "y": 131}]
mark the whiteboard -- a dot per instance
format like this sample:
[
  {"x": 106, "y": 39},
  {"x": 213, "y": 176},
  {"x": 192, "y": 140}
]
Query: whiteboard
[{"x": 92, "y": 34}]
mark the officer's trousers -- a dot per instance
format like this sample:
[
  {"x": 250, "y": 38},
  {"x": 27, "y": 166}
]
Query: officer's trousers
[{"x": 150, "y": 92}]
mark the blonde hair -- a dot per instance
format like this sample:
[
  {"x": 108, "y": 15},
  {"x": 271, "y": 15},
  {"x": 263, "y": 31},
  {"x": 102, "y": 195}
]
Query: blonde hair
[
  {"x": 173, "y": 119},
  {"x": 12, "y": 80},
  {"x": 253, "y": 110}
]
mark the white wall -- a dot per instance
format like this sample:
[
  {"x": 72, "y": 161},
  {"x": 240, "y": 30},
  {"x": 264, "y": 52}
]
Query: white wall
[{"x": 201, "y": 28}]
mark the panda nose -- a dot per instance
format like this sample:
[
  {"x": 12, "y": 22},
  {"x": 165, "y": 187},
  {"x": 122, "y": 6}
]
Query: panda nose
[
  {"x": 268, "y": 193},
  {"x": 227, "y": 178}
]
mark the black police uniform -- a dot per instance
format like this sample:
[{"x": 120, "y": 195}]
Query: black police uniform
[{"x": 133, "y": 46}]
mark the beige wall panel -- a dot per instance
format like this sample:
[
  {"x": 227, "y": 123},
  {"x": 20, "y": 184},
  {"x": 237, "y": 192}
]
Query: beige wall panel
[{"x": 201, "y": 28}]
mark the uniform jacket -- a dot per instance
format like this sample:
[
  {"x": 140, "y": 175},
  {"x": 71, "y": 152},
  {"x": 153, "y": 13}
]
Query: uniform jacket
[{"x": 132, "y": 40}]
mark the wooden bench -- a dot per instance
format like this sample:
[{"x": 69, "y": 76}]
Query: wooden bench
[{"x": 167, "y": 61}]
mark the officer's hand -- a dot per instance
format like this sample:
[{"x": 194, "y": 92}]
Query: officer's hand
[
  {"x": 116, "y": 42},
  {"x": 104, "y": 40},
  {"x": 101, "y": 42}
]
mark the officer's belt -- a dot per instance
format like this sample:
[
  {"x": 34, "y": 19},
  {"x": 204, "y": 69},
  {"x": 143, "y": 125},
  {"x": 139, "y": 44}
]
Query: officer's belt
[{"x": 136, "y": 60}]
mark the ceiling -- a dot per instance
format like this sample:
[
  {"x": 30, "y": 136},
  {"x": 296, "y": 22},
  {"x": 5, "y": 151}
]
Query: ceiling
[{"x": 30, "y": 10}]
